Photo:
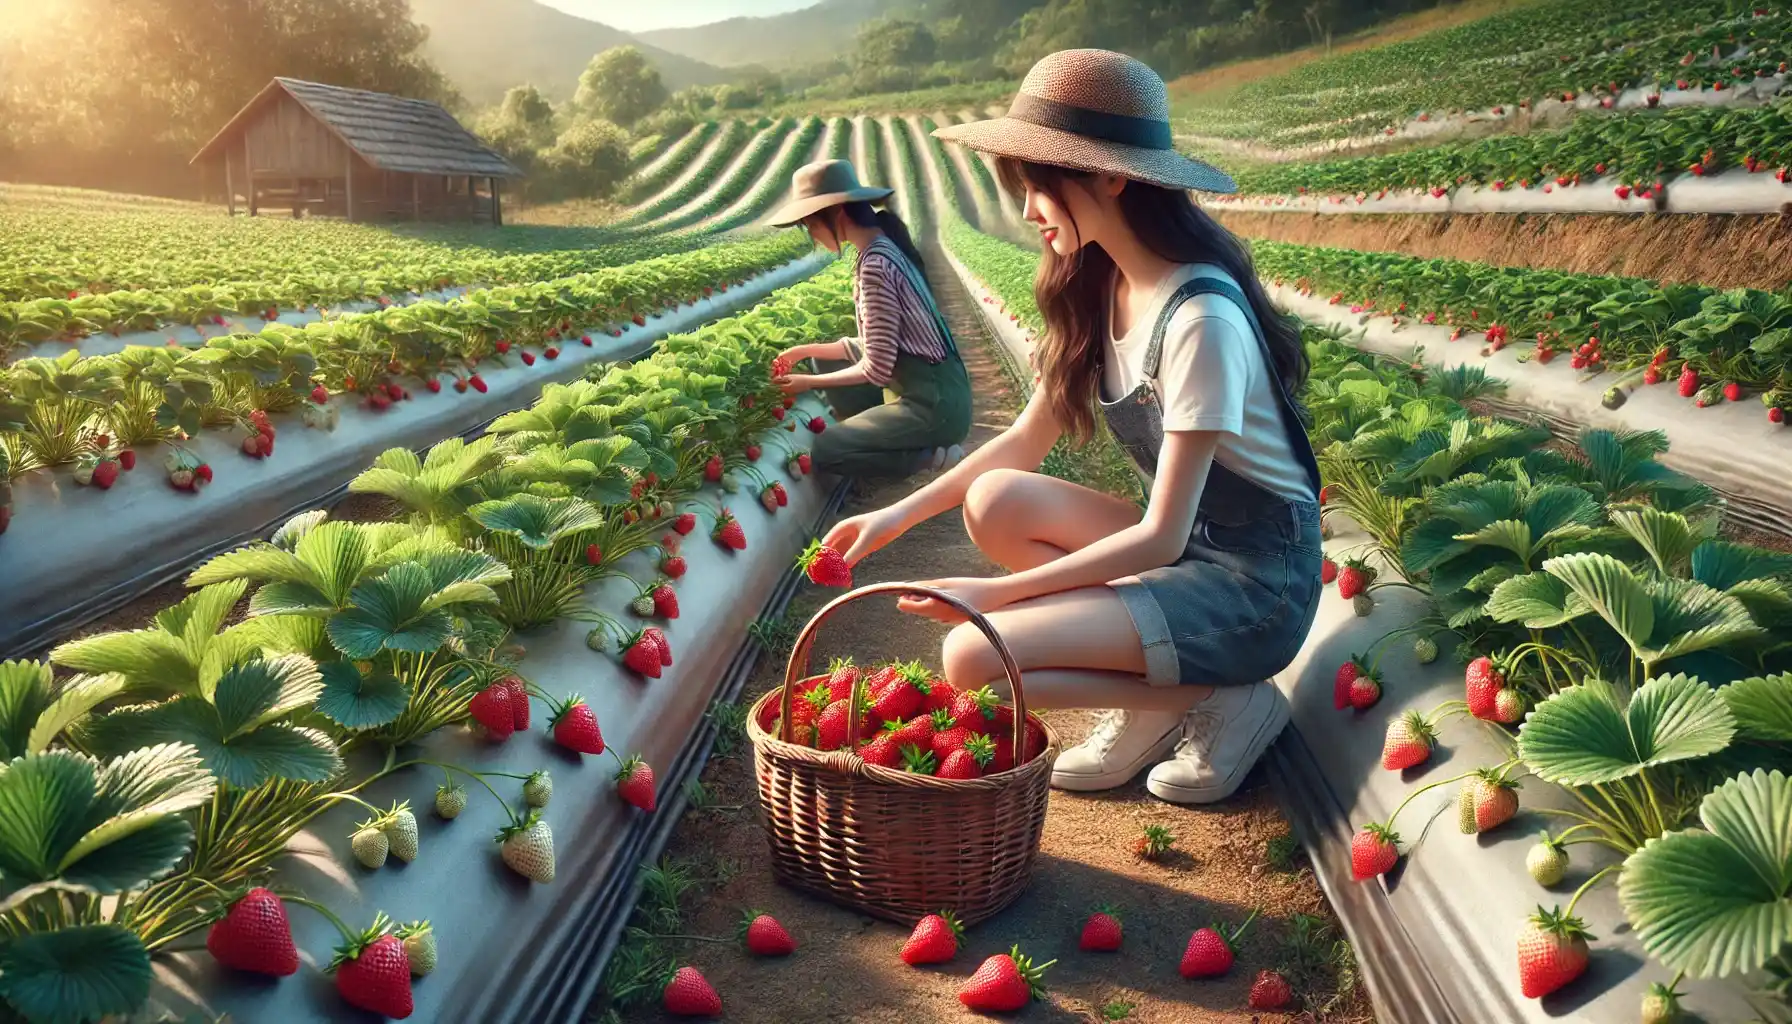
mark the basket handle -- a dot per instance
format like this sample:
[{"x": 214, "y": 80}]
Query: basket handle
[{"x": 799, "y": 656}]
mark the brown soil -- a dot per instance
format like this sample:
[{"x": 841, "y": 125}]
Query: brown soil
[
  {"x": 1720, "y": 251},
  {"x": 846, "y": 968}
]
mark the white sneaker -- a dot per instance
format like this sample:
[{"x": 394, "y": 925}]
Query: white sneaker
[
  {"x": 952, "y": 457},
  {"x": 1122, "y": 743},
  {"x": 1223, "y": 737}
]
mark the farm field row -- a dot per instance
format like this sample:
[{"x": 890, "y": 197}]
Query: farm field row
[
  {"x": 1415, "y": 502},
  {"x": 502, "y": 584},
  {"x": 1557, "y": 48}
]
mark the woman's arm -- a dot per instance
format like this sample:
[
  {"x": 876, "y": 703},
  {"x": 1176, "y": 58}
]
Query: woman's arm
[
  {"x": 819, "y": 350},
  {"x": 1022, "y": 446},
  {"x": 1157, "y": 540}
]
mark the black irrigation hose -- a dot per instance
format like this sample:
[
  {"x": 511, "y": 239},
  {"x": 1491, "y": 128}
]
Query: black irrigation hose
[{"x": 615, "y": 902}]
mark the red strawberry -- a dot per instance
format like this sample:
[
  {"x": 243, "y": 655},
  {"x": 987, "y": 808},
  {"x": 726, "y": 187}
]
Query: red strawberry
[
  {"x": 1101, "y": 933},
  {"x": 780, "y": 493},
  {"x": 490, "y": 707},
  {"x": 585, "y": 340},
  {"x": 640, "y": 321},
  {"x": 665, "y": 601},
  {"x": 519, "y": 703},
  {"x": 665, "y": 645},
  {"x": 882, "y": 751},
  {"x": 1408, "y": 742},
  {"x": 712, "y": 470},
  {"x": 1005, "y": 982},
  {"x": 1328, "y": 571},
  {"x": 1552, "y": 951},
  {"x": 1325, "y": 495},
  {"x": 978, "y": 753},
  {"x": 825, "y": 566},
  {"x": 975, "y": 709},
  {"x": 816, "y": 426},
  {"x": 502, "y": 346},
  {"x": 1508, "y": 706},
  {"x": 673, "y": 566},
  {"x": 685, "y": 523},
  {"x": 320, "y": 395},
  {"x": 1373, "y": 851},
  {"x": 934, "y": 940},
  {"x": 574, "y": 726},
  {"x": 778, "y": 413},
  {"x": 376, "y": 976},
  {"x": 834, "y": 726},
  {"x": 1776, "y": 415},
  {"x": 1365, "y": 691},
  {"x": 752, "y": 452},
  {"x": 804, "y": 462},
  {"x": 1341, "y": 682},
  {"x": 728, "y": 532},
  {"x": 765, "y": 936},
  {"x": 1487, "y": 801},
  {"x": 1210, "y": 951},
  {"x": 1483, "y": 682},
  {"x": 203, "y": 473},
  {"x": 550, "y": 352},
  {"x": 1732, "y": 391},
  {"x": 594, "y": 555},
  {"x": 634, "y": 783},
  {"x": 689, "y": 994},
  {"x": 255, "y": 936},
  {"x": 1270, "y": 991},
  {"x": 1689, "y": 381},
  {"x": 528, "y": 358},
  {"x": 642, "y": 655},
  {"x": 948, "y": 735},
  {"x": 1652, "y": 375},
  {"x": 478, "y": 383},
  {"x": 105, "y": 474},
  {"x": 1352, "y": 578}
]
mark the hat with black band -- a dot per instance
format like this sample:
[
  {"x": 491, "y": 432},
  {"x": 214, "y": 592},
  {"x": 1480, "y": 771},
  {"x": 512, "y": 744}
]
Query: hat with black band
[{"x": 1093, "y": 110}]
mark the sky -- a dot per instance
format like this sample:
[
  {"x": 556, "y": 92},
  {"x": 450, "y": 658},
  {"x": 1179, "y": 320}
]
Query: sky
[{"x": 641, "y": 15}]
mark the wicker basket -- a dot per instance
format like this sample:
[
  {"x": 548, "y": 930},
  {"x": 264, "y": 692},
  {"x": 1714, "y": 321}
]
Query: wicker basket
[{"x": 887, "y": 843}]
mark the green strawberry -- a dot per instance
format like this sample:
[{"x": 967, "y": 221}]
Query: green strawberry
[
  {"x": 598, "y": 640},
  {"x": 1425, "y": 649},
  {"x": 642, "y": 606},
  {"x": 1661, "y": 1005},
  {"x": 450, "y": 800},
  {"x": 419, "y": 946},
  {"x": 400, "y": 828},
  {"x": 538, "y": 789},
  {"x": 1547, "y": 861},
  {"x": 1362, "y": 604},
  {"x": 370, "y": 845},
  {"x": 529, "y": 848}
]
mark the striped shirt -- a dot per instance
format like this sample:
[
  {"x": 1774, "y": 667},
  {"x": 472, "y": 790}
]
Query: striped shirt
[{"x": 893, "y": 317}]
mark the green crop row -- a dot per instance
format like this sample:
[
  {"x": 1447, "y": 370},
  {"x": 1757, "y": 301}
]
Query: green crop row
[
  {"x": 1633, "y": 150},
  {"x": 734, "y": 135},
  {"x": 156, "y": 774},
  {"x": 840, "y": 142},
  {"x": 84, "y": 410},
  {"x": 683, "y": 152},
  {"x": 745, "y": 175},
  {"x": 914, "y": 192},
  {"x": 1551, "y": 48},
  {"x": 774, "y": 180}
]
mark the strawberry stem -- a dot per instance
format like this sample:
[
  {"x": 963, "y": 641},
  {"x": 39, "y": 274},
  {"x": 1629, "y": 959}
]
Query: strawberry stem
[
  {"x": 1421, "y": 789},
  {"x": 1233, "y": 939},
  {"x": 687, "y": 938},
  {"x": 350, "y": 797},
  {"x": 1588, "y": 885},
  {"x": 475, "y": 776},
  {"x": 328, "y": 914}
]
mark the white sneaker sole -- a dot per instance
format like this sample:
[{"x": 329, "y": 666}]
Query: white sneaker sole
[
  {"x": 1266, "y": 733},
  {"x": 1119, "y": 776}
]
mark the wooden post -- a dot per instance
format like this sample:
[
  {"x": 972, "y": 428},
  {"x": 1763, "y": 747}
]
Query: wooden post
[
  {"x": 348, "y": 182},
  {"x": 472, "y": 200},
  {"x": 416, "y": 197},
  {"x": 497, "y": 204},
  {"x": 249, "y": 173},
  {"x": 229, "y": 184}
]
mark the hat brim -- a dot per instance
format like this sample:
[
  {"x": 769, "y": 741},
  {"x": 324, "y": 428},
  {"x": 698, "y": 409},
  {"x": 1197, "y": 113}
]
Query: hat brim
[
  {"x": 1023, "y": 140},
  {"x": 797, "y": 209}
]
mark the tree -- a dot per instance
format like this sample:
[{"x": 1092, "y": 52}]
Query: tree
[
  {"x": 519, "y": 127},
  {"x": 525, "y": 105},
  {"x": 894, "y": 43},
  {"x": 620, "y": 86},
  {"x": 588, "y": 159}
]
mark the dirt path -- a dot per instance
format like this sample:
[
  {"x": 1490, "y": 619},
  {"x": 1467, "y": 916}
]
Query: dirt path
[{"x": 847, "y": 969}]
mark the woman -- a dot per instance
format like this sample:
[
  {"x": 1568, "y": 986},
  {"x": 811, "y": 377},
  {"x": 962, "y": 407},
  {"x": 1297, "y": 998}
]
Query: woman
[
  {"x": 899, "y": 390},
  {"x": 1178, "y": 614}
]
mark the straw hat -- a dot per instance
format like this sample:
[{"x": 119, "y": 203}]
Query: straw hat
[
  {"x": 1093, "y": 110},
  {"x": 817, "y": 186}
]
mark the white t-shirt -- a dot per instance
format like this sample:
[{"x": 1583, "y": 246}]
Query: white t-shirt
[{"x": 1212, "y": 375}]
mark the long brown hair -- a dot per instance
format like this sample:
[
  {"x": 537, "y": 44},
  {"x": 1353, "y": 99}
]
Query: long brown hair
[{"x": 1073, "y": 293}]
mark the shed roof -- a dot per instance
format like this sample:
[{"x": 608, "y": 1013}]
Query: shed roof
[{"x": 392, "y": 133}]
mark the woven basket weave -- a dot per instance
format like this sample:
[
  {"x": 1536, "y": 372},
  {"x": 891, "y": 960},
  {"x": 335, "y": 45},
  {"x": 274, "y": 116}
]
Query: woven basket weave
[{"x": 890, "y": 844}]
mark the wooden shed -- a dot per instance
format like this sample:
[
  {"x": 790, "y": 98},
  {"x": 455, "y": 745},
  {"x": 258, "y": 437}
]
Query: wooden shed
[{"x": 353, "y": 153}]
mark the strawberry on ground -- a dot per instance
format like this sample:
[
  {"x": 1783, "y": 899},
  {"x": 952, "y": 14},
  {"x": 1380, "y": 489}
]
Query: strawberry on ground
[
  {"x": 1004, "y": 983},
  {"x": 1353, "y": 578},
  {"x": 255, "y": 936},
  {"x": 764, "y": 936},
  {"x": 1101, "y": 933},
  {"x": 688, "y": 993},
  {"x": 1365, "y": 691},
  {"x": 1211, "y": 952},
  {"x": 728, "y": 532},
  {"x": 1487, "y": 801},
  {"x": 934, "y": 940},
  {"x": 1270, "y": 991}
]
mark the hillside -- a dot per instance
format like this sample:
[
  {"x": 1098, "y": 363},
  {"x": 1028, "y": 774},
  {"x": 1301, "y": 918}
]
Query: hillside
[
  {"x": 798, "y": 37},
  {"x": 487, "y": 46}
]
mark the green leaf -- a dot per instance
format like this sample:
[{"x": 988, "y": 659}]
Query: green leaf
[
  {"x": 391, "y": 613},
  {"x": 1713, "y": 902},
  {"x": 1512, "y": 535},
  {"x": 275, "y": 751},
  {"x": 76, "y": 698},
  {"x": 155, "y": 846},
  {"x": 25, "y": 691},
  {"x": 1666, "y": 537},
  {"x": 355, "y": 702},
  {"x": 1538, "y": 600},
  {"x": 1585, "y": 734},
  {"x": 1692, "y": 617},
  {"x": 536, "y": 521},
  {"x": 75, "y": 975},
  {"x": 1609, "y": 588},
  {"x": 44, "y": 803},
  {"x": 259, "y": 691},
  {"x": 1762, "y": 706}
]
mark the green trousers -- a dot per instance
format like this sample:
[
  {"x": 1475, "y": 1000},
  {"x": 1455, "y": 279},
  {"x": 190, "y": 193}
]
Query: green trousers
[{"x": 890, "y": 433}]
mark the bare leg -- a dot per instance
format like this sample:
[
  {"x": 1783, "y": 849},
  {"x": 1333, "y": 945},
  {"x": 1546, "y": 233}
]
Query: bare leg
[{"x": 1023, "y": 520}]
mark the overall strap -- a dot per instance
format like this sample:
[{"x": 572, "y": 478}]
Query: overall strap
[
  {"x": 919, "y": 283},
  {"x": 1291, "y": 420}
]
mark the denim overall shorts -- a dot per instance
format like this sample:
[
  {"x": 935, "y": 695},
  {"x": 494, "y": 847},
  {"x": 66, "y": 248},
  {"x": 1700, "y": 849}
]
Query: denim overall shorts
[{"x": 1238, "y": 604}]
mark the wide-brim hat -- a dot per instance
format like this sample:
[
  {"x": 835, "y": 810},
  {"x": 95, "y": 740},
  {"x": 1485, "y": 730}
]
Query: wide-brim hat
[
  {"x": 1093, "y": 110},
  {"x": 817, "y": 186}
]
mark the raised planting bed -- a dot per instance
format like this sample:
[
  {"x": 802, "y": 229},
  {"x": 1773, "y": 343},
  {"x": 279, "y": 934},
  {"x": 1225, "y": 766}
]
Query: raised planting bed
[
  {"x": 1735, "y": 191},
  {"x": 1565, "y": 564},
  {"x": 68, "y": 557},
  {"x": 366, "y": 644}
]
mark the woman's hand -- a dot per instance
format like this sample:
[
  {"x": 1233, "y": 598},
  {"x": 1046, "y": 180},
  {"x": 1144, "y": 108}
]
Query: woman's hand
[
  {"x": 983, "y": 595},
  {"x": 859, "y": 536},
  {"x": 794, "y": 384}
]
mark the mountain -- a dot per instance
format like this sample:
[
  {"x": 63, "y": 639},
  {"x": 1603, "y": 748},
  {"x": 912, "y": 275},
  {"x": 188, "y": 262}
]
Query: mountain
[
  {"x": 487, "y": 46},
  {"x": 808, "y": 36}
]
